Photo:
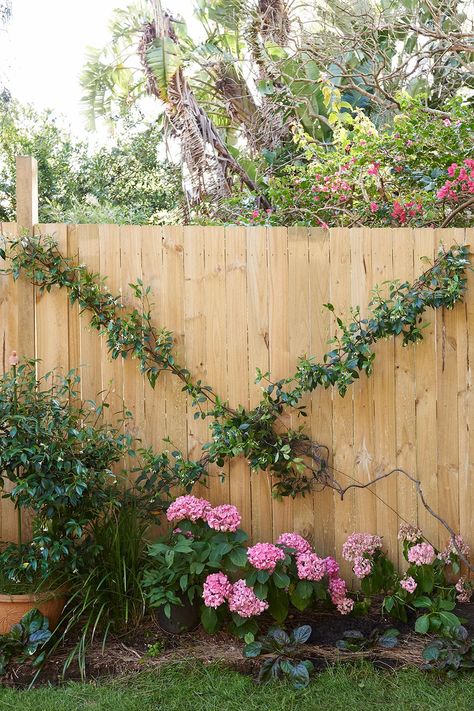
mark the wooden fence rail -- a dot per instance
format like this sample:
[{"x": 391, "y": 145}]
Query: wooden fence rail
[{"x": 241, "y": 298}]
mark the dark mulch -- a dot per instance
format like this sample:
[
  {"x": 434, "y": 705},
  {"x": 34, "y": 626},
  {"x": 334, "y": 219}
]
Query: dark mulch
[{"x": 148, "y": 647}]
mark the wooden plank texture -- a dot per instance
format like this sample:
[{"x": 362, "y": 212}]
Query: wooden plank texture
[
  {"x": 245, "y": 297},
  {"x": 258, "y": 340},
  {"x": 237, "y": 359}
]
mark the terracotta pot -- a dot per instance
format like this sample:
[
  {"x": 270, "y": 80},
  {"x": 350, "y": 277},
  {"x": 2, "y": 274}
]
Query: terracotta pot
[
  {"x": 184, "y": 618},
  {"x": 13, "y": 607}
]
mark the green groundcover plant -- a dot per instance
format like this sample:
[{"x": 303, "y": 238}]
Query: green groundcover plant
[{"x": 25, "y": 640}]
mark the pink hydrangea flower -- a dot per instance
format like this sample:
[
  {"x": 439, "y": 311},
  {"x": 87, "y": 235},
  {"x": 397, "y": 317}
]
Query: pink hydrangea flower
[
  {"x": 345, "y": 606},
  {"x": 362, "y": 567},
  {"x": 216, "y": 589},
  {"x": 464, "y": 592},
  {"x": 373, "y": 169},
  {"x": 409, "y": 533},
  {"x": 360, "y": 544},
  {"x": 265, "y": 556},
  {"x": 224, "y": 518},
  {"x": 244, "y": 602},
  {"x": 295, "y": 541},
  {"x": 422, "y": 554},
  {"x": 455, "y": 546},
  {"x": 332, "y": 567},
  {"x": 338, "y": 594},
  {"x": 409, "y": 584},
  {"x": 188, "y": 507},
  {"x": 310, "y": 566}
]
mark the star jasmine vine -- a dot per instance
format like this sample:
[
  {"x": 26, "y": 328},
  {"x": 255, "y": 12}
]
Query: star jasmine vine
[{"x": 296, "y": 463}]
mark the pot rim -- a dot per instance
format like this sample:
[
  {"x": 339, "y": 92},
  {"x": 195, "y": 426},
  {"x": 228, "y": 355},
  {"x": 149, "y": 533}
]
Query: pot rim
[{"x": 45, "y": 596}]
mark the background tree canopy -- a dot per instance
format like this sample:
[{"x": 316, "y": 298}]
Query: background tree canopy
[
  {"x": 123, "y": 182},
  {"x": 256, "y": 109},
  {"x": 267, "y": 70}
]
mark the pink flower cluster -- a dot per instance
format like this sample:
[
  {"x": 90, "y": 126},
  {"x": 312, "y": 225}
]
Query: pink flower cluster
[
  {"x": 362, "y": 567},
  {"x": 220, "y": 518},
  {"x": 360, "y": 544},
  {"x": 244, "y": 602},
  {"x": 462, "y": 183},
  {"x": 188, "y": 507},
  {"x": 216, "y": 589},
  {"x": 310, "y": 566},
  {"x": 338, "y": 593},
  {"x": 464, "y": 591},
  {"x": 332, "y": 567},
  {"x": 265, "y": 556},
  {"x": 402, "y": 211},
  {"x": 358, "y": 549},
  {"x": 409, "y": 584},
  {"x": 455, "y": 546},
  {"x": 224, "y": 518},
  {"x": 422, "y": 554},
  {"x": 409, "y": 533},
  {"x": 295, "y": 541}
]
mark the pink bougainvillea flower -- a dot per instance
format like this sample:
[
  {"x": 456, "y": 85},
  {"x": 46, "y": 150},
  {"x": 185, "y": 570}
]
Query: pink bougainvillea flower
[
  {"x": 373, "y": 169},
  {"x": 399, "y": 212}
]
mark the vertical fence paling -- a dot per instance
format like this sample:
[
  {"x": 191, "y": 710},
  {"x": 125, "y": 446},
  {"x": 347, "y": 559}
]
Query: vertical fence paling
[{"x": 242, "y": 298}]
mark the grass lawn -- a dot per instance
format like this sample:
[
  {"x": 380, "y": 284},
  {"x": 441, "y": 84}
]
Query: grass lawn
[{"x": 209, "y": 688}]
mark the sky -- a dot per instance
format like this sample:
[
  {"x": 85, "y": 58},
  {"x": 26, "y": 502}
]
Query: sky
[{"x": 44, "y": 49}]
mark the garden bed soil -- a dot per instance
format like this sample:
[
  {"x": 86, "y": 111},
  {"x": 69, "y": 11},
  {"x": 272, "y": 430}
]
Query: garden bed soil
[{"x": 149, "y": 647}]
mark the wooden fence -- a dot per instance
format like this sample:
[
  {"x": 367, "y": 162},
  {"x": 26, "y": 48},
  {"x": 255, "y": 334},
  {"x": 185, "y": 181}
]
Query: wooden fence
[{"x": 241, "y": 298}]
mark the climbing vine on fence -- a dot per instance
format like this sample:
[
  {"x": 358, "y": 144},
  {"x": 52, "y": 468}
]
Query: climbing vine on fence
[{"x": 296, "y": 463}]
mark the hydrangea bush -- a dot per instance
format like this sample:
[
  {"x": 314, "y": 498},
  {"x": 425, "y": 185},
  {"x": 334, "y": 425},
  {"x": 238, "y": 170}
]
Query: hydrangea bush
[
  {"x": 203, "y": 557},
  {"x": 426, "y": 586},
  {"x": 203, "y": 541}
]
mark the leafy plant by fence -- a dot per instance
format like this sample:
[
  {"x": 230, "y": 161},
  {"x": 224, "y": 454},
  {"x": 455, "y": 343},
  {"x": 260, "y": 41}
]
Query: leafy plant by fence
[{"x": 241, "y": 299}]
